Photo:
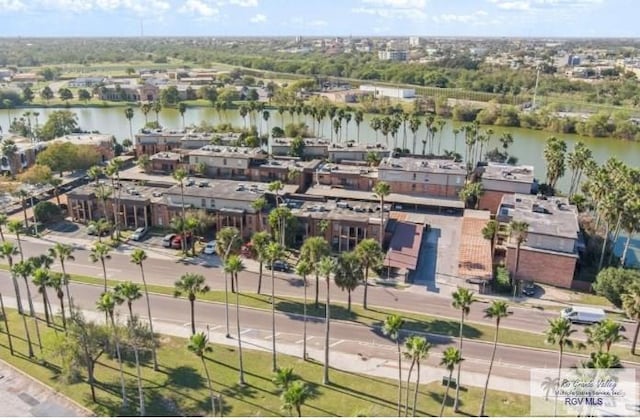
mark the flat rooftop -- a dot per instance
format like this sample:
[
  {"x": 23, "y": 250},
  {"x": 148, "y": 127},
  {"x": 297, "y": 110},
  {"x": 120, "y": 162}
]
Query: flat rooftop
[
  {"x": 229, "y": 190},
  {"x": 366, "y": 171},
  {"x": 129, "y": 191},
  {"x": 337, "y": 210},
  {"x": 309, "y": 141},
  {"x": 408, "y": 199},
  {"x": 503, "y": 172},
  {"x": 166, "y": 156},
  {"x": 404, "y": 248},
  {"x": 229, "y": 151},
  {"x": 552, "y": 216},
  {"x": 358, "y": 147},
  {"x": 84, "y": 138},
  {"x": 161, "y": 133},
  {"x": 412, "y": 164},
  {"x": 293, "y": 164}
]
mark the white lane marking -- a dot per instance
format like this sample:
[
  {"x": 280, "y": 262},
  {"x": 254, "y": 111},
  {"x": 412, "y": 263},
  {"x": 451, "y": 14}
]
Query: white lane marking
[
  {"x": 271, "y": 336},
  {"x": 248, "y": 330},
  {"x": 336, "y": 343},
  {"x": 310, "y": 337}
]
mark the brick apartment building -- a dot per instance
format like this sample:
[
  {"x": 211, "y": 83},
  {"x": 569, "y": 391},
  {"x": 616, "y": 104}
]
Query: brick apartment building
[
  {"x": 500, "y": 179},
  {"x": 431, "y": 177}
]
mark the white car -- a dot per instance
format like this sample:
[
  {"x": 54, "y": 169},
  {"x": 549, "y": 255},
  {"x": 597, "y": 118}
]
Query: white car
[{"x": 210, "y": 248}]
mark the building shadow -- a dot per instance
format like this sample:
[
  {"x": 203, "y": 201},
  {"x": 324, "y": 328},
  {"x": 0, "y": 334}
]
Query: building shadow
[{"x": 425, "y": 273}]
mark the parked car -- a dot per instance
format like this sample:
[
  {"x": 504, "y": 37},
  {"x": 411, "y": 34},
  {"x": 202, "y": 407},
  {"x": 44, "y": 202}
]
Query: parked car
[
  {"x": 176, "y": 242},
  {"x": 140, "y": 233},
  {"x": 583, "y": 315},
  {"x": 189, "y": 182},
  {"x": 279, "y": 265},
  {"x": 210, "y": 248},
  {"x": 529, "y": 289},
  {"x": 92, "y": 230},
  {"x": 166, "y": 241}
]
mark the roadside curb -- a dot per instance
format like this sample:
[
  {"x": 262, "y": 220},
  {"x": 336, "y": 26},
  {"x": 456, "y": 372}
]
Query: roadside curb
[{"x": 85, "y": 410}]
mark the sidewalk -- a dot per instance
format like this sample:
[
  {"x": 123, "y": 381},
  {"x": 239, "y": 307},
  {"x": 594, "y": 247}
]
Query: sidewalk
[{"x": 374, "y": 366}]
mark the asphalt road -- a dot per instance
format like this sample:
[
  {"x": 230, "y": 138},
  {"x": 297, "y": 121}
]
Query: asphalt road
[{"x": 165, "y": 271}]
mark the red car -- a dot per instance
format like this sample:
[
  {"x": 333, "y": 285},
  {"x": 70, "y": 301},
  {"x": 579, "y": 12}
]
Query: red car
[
  {"x": 247, "y": 250},
  {"x": 176, "y": 242}
]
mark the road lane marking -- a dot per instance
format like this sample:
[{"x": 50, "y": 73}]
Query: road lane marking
[
  {"x": 271, "y": 336},
  {"x": 336, "y": 343},
  {"x": 248, "y": 330},
  {"x": 302, "y": 340}
]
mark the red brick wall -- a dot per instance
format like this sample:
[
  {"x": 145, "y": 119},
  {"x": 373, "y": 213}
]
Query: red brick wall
[
  {"x": 490, "y": 200},
  {"x": 543, "y": 267}
]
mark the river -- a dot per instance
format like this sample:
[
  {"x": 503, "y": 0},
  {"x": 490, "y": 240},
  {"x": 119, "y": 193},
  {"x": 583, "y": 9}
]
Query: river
[{"x": 528, "y": 145}]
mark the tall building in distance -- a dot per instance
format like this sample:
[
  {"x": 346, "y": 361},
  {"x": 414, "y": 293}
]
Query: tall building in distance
[
  {"x": 415, "y": 41},
  {"x": 393, "y": 55}
]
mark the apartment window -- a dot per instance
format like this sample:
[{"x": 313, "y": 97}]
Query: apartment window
[
  {"x": 413, "y": 187},
  {"x": 458, "y": 180},
  {"x": 212, "y": 203},
  {"x": 196, "y": 159},
  {"x": 414, "y": 176},
  {"x": 203, "y": 202}
]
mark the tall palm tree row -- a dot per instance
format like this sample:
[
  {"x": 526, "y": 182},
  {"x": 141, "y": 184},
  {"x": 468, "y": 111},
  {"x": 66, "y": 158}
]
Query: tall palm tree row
[
  {"x": 391, "y": 328},
  {"x": 462, "y": 300},
  {"x": 234, "y": 265},
  {"x": 199, "y": 345},
  {"x": 559, "y": 333},
  {"x": 416, "y": 348},
  {"x": 191, "y": 285},
  {"x": 138, "y": 257},
  {"x": 451, "y": 358},
  {"x": 327, "y": 267},
  {"x": 303, "y": 269},
  {"x": 497, "y": 310}
]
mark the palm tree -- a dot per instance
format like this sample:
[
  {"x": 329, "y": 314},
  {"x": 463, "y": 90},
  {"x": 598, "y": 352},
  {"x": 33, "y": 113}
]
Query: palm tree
[
  {"x": 455, "y": 132},
  {"x": 462, "y": 300},
  {"x": 497, "y": 310},
  {"x": 470, "y": 194},
  {"x": 417, "y": 348},
  {"x": 295, "y": 396},
  {"x": 5, "y": 319},
  {"x": 303, "y": 269},
  {"x": 99, "y": 226},
  {"x": 518, "y": 232},
  {"x": 16, "y": 227},
  {"x": 348, "y": 274},
  {"x": 7, "y": 251},
  {"x": 369, "y": 252},
  {"x": 559, "y": 332},
  {"x": 56, "y": 282},
  {"x": 490, "y": 233},
  {"x": 283, "y": 377},
  {"x": 358, "y": 117},
  {"x": 450, "y": 358},
  {"x": 145, "y": 108},
  {"x": 259, "y": 204},
  {"x": 228, "y": 242},
  {"x": 138, "y": 256},
  {"x": 94, "y": 173},
  {"x": 391, "y": 328},
  {"x": 259, "y": 242},
  {"x": 326, "y": 267},
  {"x": 191, "y": 285},
  {"x": 25, "y": 269},
  {"x": 41, "y": 279},
  {"x": 381, "y": 190},
  {"x": 100, "y": 252},
  {"x": 129, "y": 292},
  {"x": 274, "y": 252},
  {"x": 157, "y": 107},
  {"x": 199, "y": 345},
  {"x": 128, "y": 114},
  {"x": 180, "y": 175},
  {"x": 312, "y": 251},
  {"x": 604, "y": 334},
  {"x": 63, "y": 252},
  {"x": 107, "y": 303},
  {"x": 3, "y": 222},
  {"x": 182, "y": 108},
  {"x": 631, "y": 306},
  {"x": 233, "y": 265}
]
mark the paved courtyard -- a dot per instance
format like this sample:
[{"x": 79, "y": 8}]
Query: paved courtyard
[{"x": 23, "y": 397}]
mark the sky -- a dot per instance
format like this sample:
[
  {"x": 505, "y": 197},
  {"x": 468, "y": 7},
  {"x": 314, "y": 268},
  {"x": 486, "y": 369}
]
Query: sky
[{"x": 517, "y": 18}]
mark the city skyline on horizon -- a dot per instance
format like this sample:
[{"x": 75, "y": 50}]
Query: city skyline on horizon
[{"x": 282, "y": 18}]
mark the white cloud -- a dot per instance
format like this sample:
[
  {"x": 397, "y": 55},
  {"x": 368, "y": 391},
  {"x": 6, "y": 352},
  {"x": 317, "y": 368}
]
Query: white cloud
[
  {"x": 540, "y": 5},
  {"x": 393, "y": 9},
  {"x": 199, "y": 8},
  {"x": 244, "y": 3},
  {"x": 12, "y": 6},
  {"x": 142, "y": 7},
  {"x": 259, "y": 18}
]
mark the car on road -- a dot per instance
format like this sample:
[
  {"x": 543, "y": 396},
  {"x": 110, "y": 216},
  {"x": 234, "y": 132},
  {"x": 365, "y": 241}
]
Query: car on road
[
  {"x": 166, "y": 241},
  {"x": 583, "y": 315},
  {"x": 140, "y": 233},
  {"x": 189, "y": 182},
  {"x": 210, "y": 248},
  {"x": 279, "y": 265},
  {"x": 529, "y": 289},
  {"x": 176, "y": 242},
  {"x": 93, "y": 231}
]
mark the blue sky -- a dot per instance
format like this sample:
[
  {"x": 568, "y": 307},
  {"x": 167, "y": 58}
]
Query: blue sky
[{"x": 539, "y": 18}]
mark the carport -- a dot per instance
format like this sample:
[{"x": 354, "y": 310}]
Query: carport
[{"x": 404, "y": 249}]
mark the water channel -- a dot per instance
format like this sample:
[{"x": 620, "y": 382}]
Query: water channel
[{"x": 528, "y": 145}]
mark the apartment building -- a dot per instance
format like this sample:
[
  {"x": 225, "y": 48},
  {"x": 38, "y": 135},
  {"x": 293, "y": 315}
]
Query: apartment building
[
  {"x": 551, "y": 250},
  {"x": 431, "y": 177},
  {"x": 354, "y": 177},
  {"x": 288, "y": 171},
  {"x": 226, "y": 161},
  {"x": 352, "y": 151},
  {"x": 499, "y": 179},
  {"x": 150, "y": 142},
  {"x": 314, "y": 148}
]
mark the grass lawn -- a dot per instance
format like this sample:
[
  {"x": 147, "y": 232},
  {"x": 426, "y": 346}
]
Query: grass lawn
[
  {"x": 179, "y": 388},
  {"x": 375, "y": 317}
]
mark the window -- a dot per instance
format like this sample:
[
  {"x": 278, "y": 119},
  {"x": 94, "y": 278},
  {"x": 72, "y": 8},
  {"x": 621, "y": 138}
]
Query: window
[
  {"x": 414, "y": 176},
  {"x": 212, "y": 203},
  {"x": 224, "y": 162},
  {"x": 413, "y": 187},
  {"x": 203, "y": 202}
]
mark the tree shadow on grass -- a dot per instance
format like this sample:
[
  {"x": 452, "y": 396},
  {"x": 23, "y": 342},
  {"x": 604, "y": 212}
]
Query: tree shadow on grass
[
  {"x": 185, "y": 377},
  {"x": 243, "y": 394},
  {"x": 316, "y": 315},
  {"x": 444, "y": 328}
]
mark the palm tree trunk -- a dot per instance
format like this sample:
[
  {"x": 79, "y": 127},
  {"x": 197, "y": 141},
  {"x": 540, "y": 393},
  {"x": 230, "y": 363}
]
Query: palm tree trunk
[
  {"x": 122, "y": 386},
  {"x": 399, "y": 376},
  {"x": 46, "y": 308},
  {"x": 325, "y": 370},
  {"x": 130, "y": 306},
  {"x": 18, "y": 298},
  {"x": 26, "y": 330},
  {"x": 260, "y": 277},
  {"x": 635, "y": 338},
  {"x": 273, "y": 320},
  {"x": 139, "y": 375},
  {"x": 406, "y": 401},
  {"x": 457, "y": 399},
  {"x": 32, "y": 311},
  {"x": 104, "y": 271},
  {"x": 153, "y": 337},
  {"x": 446, "y": 392},
  {"x": 193, "y": 315},
  {"x": 627, "y": 243},
  {"x": 317, "y": 288},
  {"x": 1, "y": 234},
  {"x": 64, "y": 318},
  {"x": 304, "y": 321},
  {"x": 366, "y": 283},
  {"x": 604, "y": 246},
  {"x": 555, "y": 404},
  {"x": 66, "y": 285},
  {"x": 213, "y": 399},
  {"x": 415, "y": 391},
  {"x": 19, "y": 246},
  {"x": 226, "y": 301},
  {"x": 241, "y": 381},
  {"x": 6, "y": 325},
  {"x": 298, "y": 410},
  {"x": 486, "y": 384},
  {"x": 348, "y": 300}
]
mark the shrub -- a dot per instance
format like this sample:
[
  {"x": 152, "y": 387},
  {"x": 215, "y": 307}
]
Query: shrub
[
  {"x": 46, "y": 211},
  {"x": 501, "y": 280}
]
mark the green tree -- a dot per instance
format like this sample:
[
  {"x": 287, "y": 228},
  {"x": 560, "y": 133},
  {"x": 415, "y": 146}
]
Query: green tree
[
  {"x": 129, "y": 292},
  {"x": 370, "y": 254},
  {"x": 101, "y": 252},
  {"x": 518, "y": 232},
  {"x": 46, "y": 94},
  {"x": 554, "y": 156},
  {"x": 191, "y": 285},
  {"x": 180, "y": 175},
  {"x": 42, "y": 279},
  {"x": 27, "y": 94},
  {"x": 303, "y": 269},
  {"x": 631, "y": 306},
  {"x": 274, "y": 252},
  {"x": 381, "y": 190},
  {"x": 326, "y": 267},
  {"x": 128, "y": 114},
  {"x": 58, "y": 124},
  {"x": 283, "y": 377},
  {"x": 613, "y": 282},
  {"x": 348, "y": 274},
  {"x": 65, "y": 94},
  {"x": 138, "y": 257},
  {"x": 471, "y": 193},
  {"x": 57, "y": 281},
  {"x": 295, "y": 396},
  {"x": 199, "y": 345},
  {"x": 296, "y": 147},
  {"x": 416, "y": 349},
  {"x": 462, "y": 300},
  {"x": 168, "y": 97},
  {"x": 233, "y": 265},
  {"x": 63, "y": 253},
  {"x": 559, "y": 333},
  {"x": 17, "y": 228},
  {"x": 259, "y": 243},
  {"x": 182, "y": 109},
  {"x": 604, "y": 334},
  {"x": 84, "y": 95},
  {"x": 451, "y": 358},
  {"x": 7, "y": 251},
  {"x": 312, "y": 251},
  {"x": 498, "y": 310},
  {"x": 391, "y": 328}
]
